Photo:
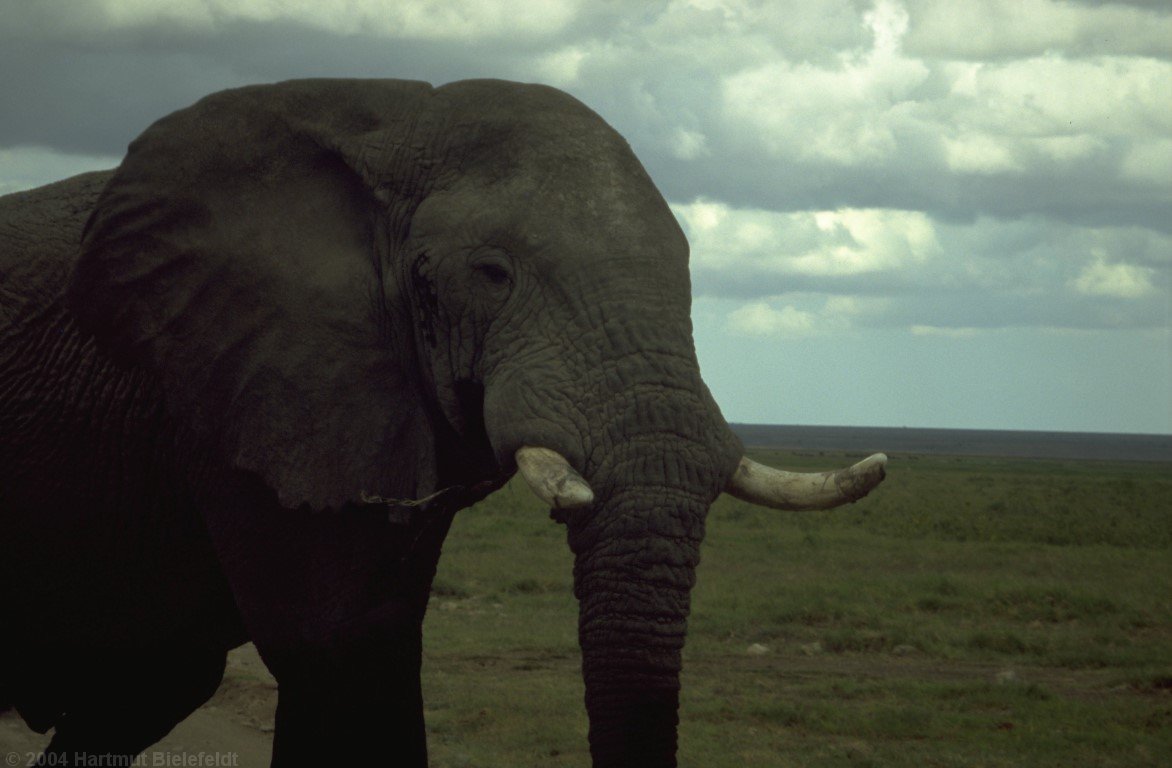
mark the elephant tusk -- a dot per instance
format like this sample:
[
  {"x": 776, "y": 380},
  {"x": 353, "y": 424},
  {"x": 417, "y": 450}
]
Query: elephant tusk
[
  {"x": 552, "y": 479},
  {"x": 759, "y": 484}
]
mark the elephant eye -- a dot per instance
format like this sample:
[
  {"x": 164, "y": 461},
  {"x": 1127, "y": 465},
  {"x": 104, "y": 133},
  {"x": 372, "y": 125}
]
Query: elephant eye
[
  {"x": 494, "y": 272},
  {"x": 495, "y": 269}
]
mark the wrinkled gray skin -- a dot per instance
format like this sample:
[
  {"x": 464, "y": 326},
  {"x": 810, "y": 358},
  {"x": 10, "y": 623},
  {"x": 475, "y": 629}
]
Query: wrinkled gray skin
[{"x": 291, "y": 295}]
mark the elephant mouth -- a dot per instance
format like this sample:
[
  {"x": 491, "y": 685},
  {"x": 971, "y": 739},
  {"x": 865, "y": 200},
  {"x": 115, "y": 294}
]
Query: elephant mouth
[
  {"x": 477, "y": 457},
  {"x": 536, "y": 448}
]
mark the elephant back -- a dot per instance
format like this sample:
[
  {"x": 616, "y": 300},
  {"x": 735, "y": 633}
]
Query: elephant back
[{"x": 39, "y": 234}]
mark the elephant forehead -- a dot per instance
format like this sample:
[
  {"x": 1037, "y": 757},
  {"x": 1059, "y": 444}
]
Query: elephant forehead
[
  {"x": 553, "y": 197},
  {"x": 502, "y": 129},
  {"x": 552, "y": 218},
  {"x": 538, "y": 108},
  {"x": 535, "y": 169},
  {"x": 569, "y": 159}
]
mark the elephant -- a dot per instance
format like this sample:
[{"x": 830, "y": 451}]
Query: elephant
[{"x": 248, "y": 377}]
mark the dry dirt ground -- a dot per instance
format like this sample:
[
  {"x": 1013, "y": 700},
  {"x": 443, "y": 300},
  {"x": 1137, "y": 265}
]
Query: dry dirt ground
[
  {"x": 236, "y": 726},
  {"x": 234, "y": 729}
]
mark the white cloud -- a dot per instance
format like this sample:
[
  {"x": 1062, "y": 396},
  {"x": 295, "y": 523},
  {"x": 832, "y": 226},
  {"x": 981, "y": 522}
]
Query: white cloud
[
  {"x": 881, "y": 105},
  {"x": 879, "y": 239},
  {"x": 1001, "y": 152},
  {"x": 561, "y": 68},
  {"x": 1053, "y": 111},
  {"x": 1120, "y": 281},
  {"x": 689, "y": 145},
  {"x": 996, "y": 29},
  {"x": 843, "y": 308},
  {"x": 1055, "y": 95},
  {"x": 823, "y": 243},
  {"x": 857, "y": 268},
  {"x": 979, "y": 153},
  {"x": 760, "y": 319},
  {"x": 888, "y": 21},
  {"x": 801, "y": 315},
  {"x": 951, "y": 333},
  {"x": 846, "y": 113}
]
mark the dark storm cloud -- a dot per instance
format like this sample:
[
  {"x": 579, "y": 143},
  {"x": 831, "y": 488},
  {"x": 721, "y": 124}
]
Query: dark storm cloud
[
  {"x": 94, "y": 96},
  {"x": 92, "y": 90},
  {"x": 764, "y": 108},
  {"x": 1087, "y": 195},
  {"x": 80, "y": 100},
  {"x": 986, "y": 185}
]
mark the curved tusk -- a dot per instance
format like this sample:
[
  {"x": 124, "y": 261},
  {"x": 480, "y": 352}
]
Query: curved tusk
[
  {"x": 552, "y": 479},
  {"x": 776, "y": 488}
]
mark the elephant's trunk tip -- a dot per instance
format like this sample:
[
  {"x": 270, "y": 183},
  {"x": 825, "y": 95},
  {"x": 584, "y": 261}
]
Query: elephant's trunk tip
[
  {"x": 552, "y": 479},
  {"x": 778, "y": 489}
]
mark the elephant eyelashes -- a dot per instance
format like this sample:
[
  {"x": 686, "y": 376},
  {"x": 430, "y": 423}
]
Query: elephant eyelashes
[
  {"x": 495, "y": 274},
  {"x": 495, "y": 270}
]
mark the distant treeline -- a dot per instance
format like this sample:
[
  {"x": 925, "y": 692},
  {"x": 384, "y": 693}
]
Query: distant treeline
[{"x": 960, "y": 442}]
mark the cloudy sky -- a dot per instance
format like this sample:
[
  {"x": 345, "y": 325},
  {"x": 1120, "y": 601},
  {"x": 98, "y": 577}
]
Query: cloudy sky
[{"x": 902, "y": 212}]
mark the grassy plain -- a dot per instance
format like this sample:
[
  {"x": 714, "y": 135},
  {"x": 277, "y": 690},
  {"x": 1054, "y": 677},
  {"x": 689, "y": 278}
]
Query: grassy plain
[{"x": 973, "y": 612}]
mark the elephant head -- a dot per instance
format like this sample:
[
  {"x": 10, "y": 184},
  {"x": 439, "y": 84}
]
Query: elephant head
[{"x": 381, "y": 287}]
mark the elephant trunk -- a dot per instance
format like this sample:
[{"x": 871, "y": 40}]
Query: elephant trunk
[
  {"x": 653, "y": 456},
  {"x": 633, "y": 452},
  {"x": 636, "y": 553}
]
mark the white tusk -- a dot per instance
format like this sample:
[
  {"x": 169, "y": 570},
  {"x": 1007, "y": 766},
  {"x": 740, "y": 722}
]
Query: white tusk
[
  {"x": 776, "y": 488},
  {"x": 552, "y": 479}
]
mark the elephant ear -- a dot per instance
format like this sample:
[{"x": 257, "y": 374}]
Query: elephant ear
[{"x": 238, "y": 254}]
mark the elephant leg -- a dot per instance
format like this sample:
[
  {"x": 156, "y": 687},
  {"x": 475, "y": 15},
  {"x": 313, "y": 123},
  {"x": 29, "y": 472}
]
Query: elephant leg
[
  {"x": 359, "y": 699},
  {"x": 334, "y": 602},
  {"x": 123, "y": 705}
]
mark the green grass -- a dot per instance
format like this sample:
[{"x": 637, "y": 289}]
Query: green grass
[{"x": 974, "y": 611}]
